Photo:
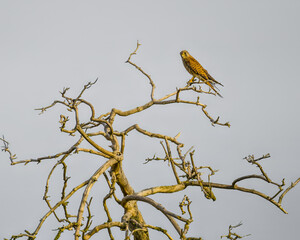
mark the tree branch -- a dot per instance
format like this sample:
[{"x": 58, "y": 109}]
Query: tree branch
[{"x": 87, "y": 190}]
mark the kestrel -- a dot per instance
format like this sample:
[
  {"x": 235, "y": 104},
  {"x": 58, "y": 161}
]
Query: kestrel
[{"x": 195, "y": 69}]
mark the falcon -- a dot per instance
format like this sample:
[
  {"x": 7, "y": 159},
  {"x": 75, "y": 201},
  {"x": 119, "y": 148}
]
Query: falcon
[{"x": 197, "y": 71}]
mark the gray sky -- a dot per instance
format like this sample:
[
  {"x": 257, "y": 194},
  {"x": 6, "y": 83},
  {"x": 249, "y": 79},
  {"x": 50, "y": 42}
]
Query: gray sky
[{"x": 252, "y": 47}]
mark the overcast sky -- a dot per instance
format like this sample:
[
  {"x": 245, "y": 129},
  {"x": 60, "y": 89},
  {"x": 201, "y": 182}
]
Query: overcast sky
[{"x": 251, "y": 47}]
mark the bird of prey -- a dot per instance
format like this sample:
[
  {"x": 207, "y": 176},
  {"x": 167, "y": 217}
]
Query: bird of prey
[{"x": 197, "y": 71}]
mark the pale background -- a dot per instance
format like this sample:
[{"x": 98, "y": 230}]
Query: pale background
[{"x": 252, "y": 47}]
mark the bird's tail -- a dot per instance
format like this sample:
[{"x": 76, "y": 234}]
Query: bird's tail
[{"x": 212, "y": 87}]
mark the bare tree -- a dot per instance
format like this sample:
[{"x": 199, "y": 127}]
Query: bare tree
[{"x": 187, "y": 173}]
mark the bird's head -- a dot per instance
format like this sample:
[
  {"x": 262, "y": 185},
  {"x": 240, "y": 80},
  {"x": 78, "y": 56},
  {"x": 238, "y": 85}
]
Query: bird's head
[{"x": 184, "y": 54}]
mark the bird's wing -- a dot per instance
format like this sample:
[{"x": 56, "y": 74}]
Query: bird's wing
[
  {"x": 197, "y": 68},
  {"x": 212, "y": 79}
]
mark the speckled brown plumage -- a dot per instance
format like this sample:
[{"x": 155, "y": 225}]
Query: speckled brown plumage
[{"x": 196, "y": 70}]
